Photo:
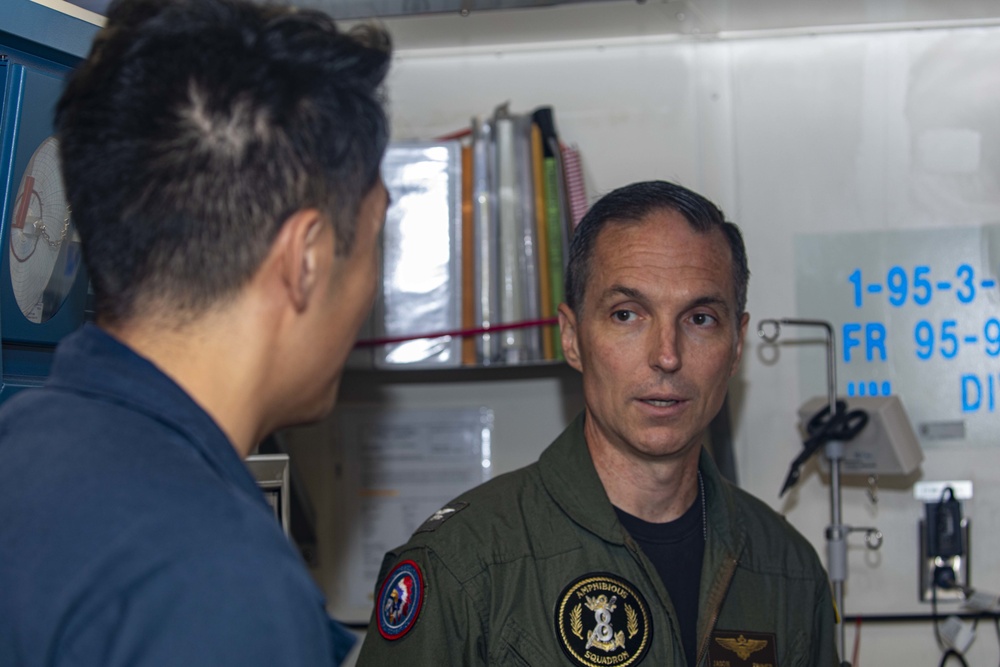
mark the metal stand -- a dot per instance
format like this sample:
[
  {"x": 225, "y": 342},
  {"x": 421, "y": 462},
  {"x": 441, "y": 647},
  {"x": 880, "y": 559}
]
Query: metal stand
[
  {"x": 836, "y": 539},
  {"x": 836, "y": 532}
]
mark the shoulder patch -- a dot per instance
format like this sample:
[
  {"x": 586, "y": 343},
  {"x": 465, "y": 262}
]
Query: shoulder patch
[
  {"x": 601, "y": 619},
  {"x": 439, "y": 517},
  {"x": 400, "y": 600},
  {"x": 743, "y": 649}
]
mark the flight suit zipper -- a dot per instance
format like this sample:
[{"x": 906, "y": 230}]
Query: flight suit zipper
[
  {"x": 637, "y": 555},
  {"x": 727, "y": 578}
]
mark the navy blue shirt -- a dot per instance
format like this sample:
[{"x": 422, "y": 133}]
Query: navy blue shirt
[{"x": 131, "y": 533}]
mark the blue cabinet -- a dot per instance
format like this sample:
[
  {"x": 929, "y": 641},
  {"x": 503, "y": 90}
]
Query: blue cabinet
[{"x": 43, "y": 286}]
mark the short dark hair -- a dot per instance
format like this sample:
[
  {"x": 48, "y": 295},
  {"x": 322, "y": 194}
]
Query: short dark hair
[
  {"x": 632, "y": 203},
  {"x": 196, "y": 127}
]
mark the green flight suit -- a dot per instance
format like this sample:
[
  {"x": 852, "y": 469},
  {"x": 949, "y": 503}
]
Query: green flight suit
[{"x": 503, "y": 576}]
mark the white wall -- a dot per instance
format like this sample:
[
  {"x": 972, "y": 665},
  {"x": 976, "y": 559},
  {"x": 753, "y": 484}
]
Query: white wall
[{"x": 793, "y": 134}]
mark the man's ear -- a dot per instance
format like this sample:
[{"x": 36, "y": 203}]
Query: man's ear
[
  {"x": 568, "y": 335},
  {"x": 303, "y": 247}
]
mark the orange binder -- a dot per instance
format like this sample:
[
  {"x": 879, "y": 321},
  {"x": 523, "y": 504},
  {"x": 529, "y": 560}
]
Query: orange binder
[{"x": 468, "y": 260}]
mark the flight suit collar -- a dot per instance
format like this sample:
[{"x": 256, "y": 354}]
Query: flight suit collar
[
  {"x": 727, "y": 535},
  {"x": 569, "y": 476}
]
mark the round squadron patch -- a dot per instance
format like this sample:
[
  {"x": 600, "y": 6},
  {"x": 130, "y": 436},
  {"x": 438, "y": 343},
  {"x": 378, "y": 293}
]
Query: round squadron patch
[
  {"x": 399, "y": 600},
  {"x": 601, "y": 619}
]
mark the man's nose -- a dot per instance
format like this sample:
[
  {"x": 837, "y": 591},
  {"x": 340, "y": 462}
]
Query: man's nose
[{"x": 665, "y": 348}]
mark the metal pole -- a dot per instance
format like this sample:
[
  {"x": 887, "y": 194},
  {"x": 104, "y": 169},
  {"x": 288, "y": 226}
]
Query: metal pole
[
  {"x": 836, "y": 540},
  {"x": 836, "y": 533}
]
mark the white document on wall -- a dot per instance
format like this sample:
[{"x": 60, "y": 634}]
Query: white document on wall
[{"x": 399, "y": 467}]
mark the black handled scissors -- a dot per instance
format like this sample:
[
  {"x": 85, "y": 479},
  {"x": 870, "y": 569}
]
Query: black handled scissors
[{"x": 823, "y": 428}]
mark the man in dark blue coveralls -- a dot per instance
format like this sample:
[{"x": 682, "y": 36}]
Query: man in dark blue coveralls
[{"x": 222, "y": 164}]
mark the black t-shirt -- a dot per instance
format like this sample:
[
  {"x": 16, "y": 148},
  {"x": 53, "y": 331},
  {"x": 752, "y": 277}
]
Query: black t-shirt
[{"x": 676, "y": 549}]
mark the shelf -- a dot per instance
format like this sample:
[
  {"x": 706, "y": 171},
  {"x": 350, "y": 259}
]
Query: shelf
[{"x": 496, "y": 372}]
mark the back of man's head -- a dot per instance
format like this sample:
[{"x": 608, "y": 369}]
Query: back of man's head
[{"x": 196, "y": 127}]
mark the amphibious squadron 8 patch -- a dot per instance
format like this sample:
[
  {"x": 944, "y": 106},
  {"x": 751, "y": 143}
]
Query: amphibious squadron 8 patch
[
  {"x": 399, "y": 600},
  {"x": 742, "y": 649},
  {"x": 601, "y": 619}
]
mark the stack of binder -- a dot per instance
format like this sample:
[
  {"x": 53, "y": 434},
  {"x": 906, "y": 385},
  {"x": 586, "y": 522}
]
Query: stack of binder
[
  {"x": 475, "y": 245},
  {"x": 421, "y": 265}
]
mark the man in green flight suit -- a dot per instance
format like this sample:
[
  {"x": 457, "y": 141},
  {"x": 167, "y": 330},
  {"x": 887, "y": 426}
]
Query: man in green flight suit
[{"x": 622, "y": 545}]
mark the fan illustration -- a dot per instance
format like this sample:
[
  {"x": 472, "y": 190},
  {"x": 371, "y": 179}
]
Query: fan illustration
[{"x": 44, "y": 246}]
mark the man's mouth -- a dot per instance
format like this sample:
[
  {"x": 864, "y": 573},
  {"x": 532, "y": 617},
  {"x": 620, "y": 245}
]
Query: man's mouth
[{"x": 657, "y": 403}]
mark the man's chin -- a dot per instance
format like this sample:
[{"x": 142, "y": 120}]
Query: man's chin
[{"x": 660, "y": 447}]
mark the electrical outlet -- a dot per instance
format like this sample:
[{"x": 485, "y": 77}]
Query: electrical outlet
[{"x": 930, "y": 564}]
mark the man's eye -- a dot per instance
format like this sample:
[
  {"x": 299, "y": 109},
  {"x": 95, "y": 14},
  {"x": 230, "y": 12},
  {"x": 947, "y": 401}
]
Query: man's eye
[
  {"x": 623, "y": 315},
  {"x": 702, "y": 319}
]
